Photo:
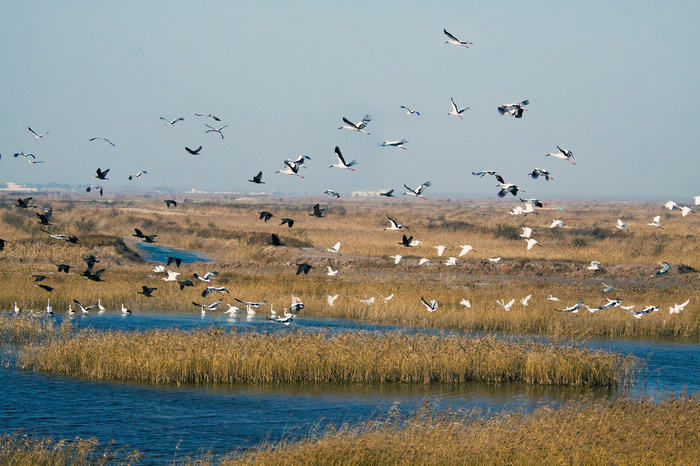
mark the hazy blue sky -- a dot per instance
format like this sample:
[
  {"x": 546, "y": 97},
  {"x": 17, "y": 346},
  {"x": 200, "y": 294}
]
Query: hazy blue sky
[{"x": 616, "y": 82}]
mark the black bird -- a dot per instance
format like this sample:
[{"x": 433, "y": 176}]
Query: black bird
[
  {"x": 275, "y": 241},
  {"x": 303, "y": 267},
  {"x": 44, "y": 218},
  {"x": 24, "y": 203},
  {"x": 2, "y": 244},
  {"x": 193, "y": 152},
  {"x": 170, "y": 202},
  {"x": 63, "y": 268},
  {"x": 184, "y": 283},
  {"x": 38, "y": 278},
  {"x": 146, "y": 291},
  {"x": 288, "y": 221},
  {"x": 265, "y": 215},
  {"x": 90, "y": 260},
  {"x": 389, "y": 193},
  {"x": 318, "y": 211},
  {"x": 101, "y": 175},
  {"x": 406, "y": 241},
  {"x": 72, "y": 239},
  {"x": 177, "y": 260},
  {"x": 146, "y": 238},
  {"x": 95, "y": 277},
  {"x": 45, "y": 287},
  {"x": 257, "y": 179}
]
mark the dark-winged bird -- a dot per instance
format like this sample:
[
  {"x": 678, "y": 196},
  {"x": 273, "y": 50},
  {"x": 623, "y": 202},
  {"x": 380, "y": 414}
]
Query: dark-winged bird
[
  {"x": 146, "y": 291},
  {"x": 303, "y": 267},
  {"x": 257, "y": 179},
  {"x": 265, "y": 215},
  {"x": 177, "y": 260},
  {"x": 318, "y": 211},
  {"x": 406, "y": 241},
  {"x": 170, "y": 202},
  {"x": 63, "y": 268},
  {"x": 45, "y": 287},
  {"x": 288, "y": 221},
  {"x": 209, "y": 289},
  {"x": 193, "y": 151},
  {"x": 275, "y": 241},
  {"x": 184, "y": 283},
  {"x": 2, "y": 244},
  {"x": 101, "y": 175},
  {"x": 44, "y": 218},
  {"x": 24, "y": 203}
]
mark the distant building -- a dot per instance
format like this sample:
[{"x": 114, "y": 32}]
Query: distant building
[
  {"x": 18, "y": 188},
  {"x": 365, "y": 194}
]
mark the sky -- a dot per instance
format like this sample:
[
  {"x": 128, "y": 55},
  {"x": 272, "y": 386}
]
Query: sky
[{"x": 615, "y": 82}]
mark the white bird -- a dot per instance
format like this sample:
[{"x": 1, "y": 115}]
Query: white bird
[
  {"x": 386, "y": 299},
  {"x": 646, "y": 310},
  {"x": 331, "y": 272},
  {"x": 515, "y": 110},
  {"x": 397, "y": 258},
  {"x": 101, "y": 308},
  {"x": 138, "y": 175},
  {"x": 595, "y": 265},
  {"x": 685, "y": 210},
  {"x": 655, "y": 222},
  {"x": 331, "y": 299},
  {"x": 574, "y": 309},
  {"x": 430, "y": 306},
  {"x": 37, "y": 136},
  {"x": 524, "y": 301},
  {"x": 451, "y": 261},
  {"x": 410, "y": 112},
  {"x": 215, "y": 130},
  {"x": 250, "y": 311},
  {"x": 527, "y": 231},
  {"x": 232, "y": 310},
  {"x": 508, "y": 188},
  {"x": 532, "y": 242},
  {"x": 415, "y": 242},
  {"x": 424, "y": 261},
  {"x": 621, "y": 225},
  {"x": 103, "y": 139},
  {"x": 517, "y": 210},
  {"x": 330, "y": 192},
  {"x": 556, "y": 223},
  {"x": 440, "y": 249},
  {"x": 84, "y": 309},
  {"x": 335, "y": 248},
  {"x": 71, "y": 312},
  {"x": 17, "y": 309},
  {"x": 678, "y": 307},
  {"x": 172, "y": 122},
  {"x": 357, "y": 126},
  {"x": 506, "y": 305},
  {"x": 394, "y": 225},
  {"x": 125, "y": 311},
  {"x": 670, "y": 205},
  {"x": 455, "y": 110},
  {"x": 697, "y": 200},
  {"x": 290, "y": 168},
  {"x": 494, "y": 259},
  {"x": 465, "y": 249},
  {"x": 627, "y": 308},
  {"x": 208, "y": 307},
  {"x": 398, "y": 144},
  {"x": 552, "y": 298},
  {"x": 418, "y": 192},
  {"x": 606, "y": 288},
  {"x": 368, "y": 301},
  {"x": 341, "y": 161},
  {"x": 454, "y": 41},
  {"x": 466, "y": 303},
  {"x": 665, "y": 268},
  {"x": 172, "y": 276},
  {"x": 206, "y": 277},
  {"x": 159, "y": 268},
  {"x": 562, "y": 154}
]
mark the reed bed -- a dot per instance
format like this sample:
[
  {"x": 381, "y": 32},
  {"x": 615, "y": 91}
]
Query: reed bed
[
  {"x": 21, "y": 449},
  {"x": 624, "y": 431},
  {"x": 217, "y": 357}
]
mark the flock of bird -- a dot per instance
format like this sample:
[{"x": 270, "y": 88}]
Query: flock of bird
[{"x": 294, "y": 167}]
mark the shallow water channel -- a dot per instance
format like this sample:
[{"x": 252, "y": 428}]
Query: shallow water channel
[{"x": 168, "y": 421}]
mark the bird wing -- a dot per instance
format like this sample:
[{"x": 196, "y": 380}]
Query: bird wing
[
  {"x": 353, "y": 125},
  {"x": 450, "y": 35},
  {"x": 454, "y": 106},
  {"x": 365, "y": 120},
  {"x": 339, "y": 155}
]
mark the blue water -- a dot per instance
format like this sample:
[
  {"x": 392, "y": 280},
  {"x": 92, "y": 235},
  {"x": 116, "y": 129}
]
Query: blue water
[
  {"x": 165, "y": 421},
  {"x": 157, "y": 253}
]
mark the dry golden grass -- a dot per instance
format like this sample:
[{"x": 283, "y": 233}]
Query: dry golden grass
[
  {"x": 231, "y": 232},
  {"x": 218, "y": 357},
  {"x": 625, "y": 431}
]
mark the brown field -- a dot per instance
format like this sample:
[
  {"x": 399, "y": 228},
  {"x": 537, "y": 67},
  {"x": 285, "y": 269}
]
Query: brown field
[{"x": 229, "y": 231}]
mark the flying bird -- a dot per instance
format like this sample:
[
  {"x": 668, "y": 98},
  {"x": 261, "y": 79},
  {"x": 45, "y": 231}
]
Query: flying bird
[
  {"x": 137, "y": 175},
  {"x": 394, "y": 225},
  {"x": 508, "y": 188},
  {"x": 288, "y": 221},
  {"x": 670, "y": 205},
  {"x": 331, "y": 299},
  {"x": 275, "y": 241},
  {"x": 646, "y": 310},
  {"x": 147, "y": 291},
  {"x": 457, "y": 111},
  {"x": 465, "y": 303},
  {"x": 506, "y": 305},
  {"x": 531, "y": 242},
  {"x": 357, "y": 126},
  {"x": 664, "y": 269},
  {"x": 209, "y": 289},
  {"x": 172, "y": 276},
  {"x": 537, "y": 172},
  {"x": 207, "y": 115},
  {"x": 184, "y": 283},
  {"x": 410, "y": 112},
  {"x": 574, "y": 309},
  {"x": 655, "y": 222},
  {"x": 44, "y": 219},
  {"x": 418, "y": 192},
  {"x": 424, "y": 261},
  {"x": 607, "y": 288},
  {"x": 208, "y": 307},
  {"x": 430, "y": 306},
  {"x": 172, "y": 122},
  {"x": 398, "y": 144},
  {"x": 451, "y": 261},
  {"x": 170, "y": 202},
  {"x": 335, "y": 248},
  {"x": 514, "y": 110},
  {"x": 24, "y": 203},
  {"x": 465, "y": 249},
  {"x": 265, "y": 215},
  {"x": 207, "y": 277},
  {"x": 101, "y": 175},
  {"x": 685, "y": 210},
  {"x": 95, "y": 187},
  {"x": 291, "y": 168},
  {"x": 341, "y": 161},
  {"x": 397, "y": 258},
  {"x": 406, "y": 241},
  {"x": 193, "y": 151},
  {"x": 174, "y": 259},
  {"x": 389, "y": 193},
  {"x": 562, "y": 154},
  {"x": 303, "y": 268},
  {"x": 489, "y": 172},
  {"x": 524, "y": 301},
  {"x": 677, "y": 308},
  {"x": 37, "y": 136},
  {"x": 103, "y": 139},
  {"x": 556, "y": 223},
  {"x": 317, "y": 211},
  {"x": 621, "y": 225},
  {"x": 257, "y": 179},
  {"x": 527, "y": 231},
  {"x": 331, "y": 272},
  {"x": 454, "y": 41},
  {"x": 595, "y": 265},
  {"x": 330, "y": 192},
  {"x": 215, "y": 130},
  {"x": 440, "y": 249}
]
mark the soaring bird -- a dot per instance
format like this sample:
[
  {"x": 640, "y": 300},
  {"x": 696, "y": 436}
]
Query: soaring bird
[
  {"x": 646, "y": 310},
  {"x": 303, "y": 268},
  {"x": 410, "y": 112},
  {"x": 489, "y": 172},
  {"x": 430, "y": 306},
  {"x": 317, "y": 211},
  {"x": 101, "y": 175},
  {"x": 398, "y": 144},
  {"x": 406, "y": 241},
  {"x": 335, "y": 248},
  {"x": 137, "y": 175},
  {"x": 330, "y": 192},
  {"x": 508, "y": 188},
  {"x": 265, "y": 215},
  {"x": 103, "y": 139},
  {"x": 146, "y": 291},
  {"x": 465, "y": 249},
  {"x": 454, "y": 41},
  {"x": 664, "y": 269},
  {"x": 288, "y": 221},
  {"x": 37, "y": 136},
  {"x": 556, "y": 223},
  {"x": 215, "y": 130},
  {"x": 174, "y": 259},
  {"x": 655, "y": 222},
  {"x": 193, "y": 151},
  {"x": 209, "y": 289},
  {"x": 341, "y": 161},
  {"x": 207, "y": 115},
  {"x": 457, "y": 111},
  {"x": 418, "y": 192},
  {"x": 95, "y": 187},
  {"x": 257, "y": 179},
  {"x": 394, "y": 225},
  {"x": 532, "y": 242},
  {"x": 389, "y": 193},
  {"x": 172, "y": 122},
  {"x": 291, "y": 168},
  {"x": 685, "y": 210},
  {"x": 275, "y": 241},
  {"x": 440, "y": 249},
  {"x": 573, "y": 308},
  {"x": 670, "y": 205},
  {"x": 170, "y": 202},
  {"x": 506, "y": 305},
  {"x": 514, "y": 110},
  {"x": 562, "y": 154},
  {"x": 677, "y": 308},
  {"x": 397, "y": 258},
  {"x": 356, "y": 126},
  {"x": 207, "y": 277},
  {"x": 172, "y": 276},
  {"x": 537, "y": 172},
  {"x": 24, "y": 203}
]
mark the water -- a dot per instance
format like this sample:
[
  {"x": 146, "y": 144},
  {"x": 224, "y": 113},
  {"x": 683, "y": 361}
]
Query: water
[
  {"x": 164, "y": 421},
  {"x": 158, "y": 253}
]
